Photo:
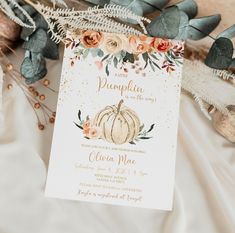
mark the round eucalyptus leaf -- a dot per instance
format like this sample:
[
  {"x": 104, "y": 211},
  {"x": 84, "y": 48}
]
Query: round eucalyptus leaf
[
  {"x": 121, "y": 2},
  {"x": 29, "y": 9},
  {"x": 202, "y": 27},
  {"x": 183, "y": 28},
  {"x": 51, "y": 50},
  {"x": 37, "y": 41},
  {"x": 33, "y": 67},
  {"x": 220, "y": 54},
  {"x": 189, "y": 7},
  {"x": 228, "y": 33},
  {"x": 159, "y": 4},
  {"x": 140, "y": 7},
  {"x": 40, "y": 22},
  {"x": 99, "y": 2},
  {"x": 232, "y": 64},
  {"x": 166, "y": 25}
]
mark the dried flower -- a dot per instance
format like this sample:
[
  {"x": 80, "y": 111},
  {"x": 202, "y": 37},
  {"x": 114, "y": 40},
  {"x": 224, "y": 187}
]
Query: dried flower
[{"x": 91, "y": 39}]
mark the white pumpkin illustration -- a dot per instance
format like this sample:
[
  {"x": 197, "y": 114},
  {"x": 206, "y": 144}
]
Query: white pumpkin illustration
[{"x": 119, "y": 124}]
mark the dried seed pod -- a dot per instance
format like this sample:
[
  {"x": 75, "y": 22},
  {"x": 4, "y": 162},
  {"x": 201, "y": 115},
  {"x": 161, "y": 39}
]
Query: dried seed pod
[
  {"x": 52, "y": 120},
  {"x": 37, "y": 105},
  {"x": 42, "y": 97},
  {"x": 46, "y": 82},
  {"x": 41, "y": 126}
]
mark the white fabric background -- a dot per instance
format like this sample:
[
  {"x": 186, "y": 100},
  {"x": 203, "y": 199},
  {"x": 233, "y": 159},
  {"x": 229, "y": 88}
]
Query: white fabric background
[{"x": 204, "y": 199}]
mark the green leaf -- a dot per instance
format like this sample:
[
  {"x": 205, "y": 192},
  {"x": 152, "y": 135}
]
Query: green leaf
[
  {"x": 141, "y": 128},
  {"x": 33, "y": 67},
  {"x": 202, "y": 27},
  {"x": 220, "y": 54},
  {"x": 132, "y": 143},
  {"x": 183, "y": 27},
  {"x": 129, "y": 57},
  {"x": 155, "y": 4},
  {"x": 79, "y": 115},
  {"x": 107, "y": 70},
  {"x": 100, "y": 53},
  {"x": 115, "y": 62},
  {"x": 232, "y": 64},
  {"x": 80, "y": 127},
  {"x": 51, "y": 50},
  {"x": 104, "y": 58},
  {"x": 152, "y": 66},
  {"x": 189, "y": 7},
  {"x": 156, "y": 65},
  {"x": 228, "y": 33},
  {"x": 154, "y": 56},
  {"x": 86, "y": 52},
  {"x": 99, "y": 2},
  {"x": 145, "y": 57},
  {"x": 145, "y": 137},
  {"x": 166, "y": 25},
  {"x": 37, "y": 41},
  {"x": 151, "y": 128}
]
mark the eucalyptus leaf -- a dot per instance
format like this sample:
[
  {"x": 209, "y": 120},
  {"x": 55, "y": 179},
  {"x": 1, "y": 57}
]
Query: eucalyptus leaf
[
  {"x": 33, "y": 67},
  {"x": 202, "y": 27},
  {"x": 121, "y": 3},
  {"x": 99, "y": 2},
  {"x": 40, "y": 22},
  {"x": 158, "y": 4},
  {"x": 137, "y": 8},
  {"x": 51, "y": 50},
  {"x": 166, "y": 25},
  {"x": 220, "y": 54},
  {"x": 129, "y": 57},
  {"x": 29, "y": 9},
  {"x": 37, "y": 41},
  {"x": 228, "y": 33},
  {"x": 232, "y": 64},
  {"x": 140, "y": 7},
  {"x": 183, "y": 27},
  {"x": 189, "y": 7}
]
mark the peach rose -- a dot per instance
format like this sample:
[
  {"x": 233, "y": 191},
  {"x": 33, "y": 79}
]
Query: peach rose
[
  {"x": 112, "y": 44},
  {"x": 94, "y": 133},
  {"x": 91, "y": 39},
  {"x": 87, "y": 124},
  {"x": 162, "y": 45},
  {"x": 139, "y": 44}
]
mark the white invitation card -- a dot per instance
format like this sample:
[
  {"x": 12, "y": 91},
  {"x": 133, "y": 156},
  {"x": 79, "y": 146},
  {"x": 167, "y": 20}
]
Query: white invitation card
[{"x": 115, "y": 134}]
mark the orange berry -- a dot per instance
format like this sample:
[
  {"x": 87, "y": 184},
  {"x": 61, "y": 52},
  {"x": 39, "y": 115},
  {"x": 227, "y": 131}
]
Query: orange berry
[
  {"x": 41, "y": 126},
  {"x": 9, "y": 86},
  {"x": 37, "y": 105},
  {"x": 46, "y": 82},
  {"x": 35, "y": 93},
  {"x": 52, "y": 120},
  {"x": 31, "y": 89},
  {"x": 42, "y": 97},
  {"x": 9, "y": 66}
]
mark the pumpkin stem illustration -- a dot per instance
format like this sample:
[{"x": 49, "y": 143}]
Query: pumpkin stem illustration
[{"x": 119, "y": 105}]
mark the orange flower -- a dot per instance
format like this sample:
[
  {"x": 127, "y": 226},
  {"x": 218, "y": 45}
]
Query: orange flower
[
  {"x": 86, "y": 124},
  {"x": 94, "y": 133},
  {"x": 91, "y": 39},
  {"x": 162, "y": 45},
  {"x": 139, "y": 44}
]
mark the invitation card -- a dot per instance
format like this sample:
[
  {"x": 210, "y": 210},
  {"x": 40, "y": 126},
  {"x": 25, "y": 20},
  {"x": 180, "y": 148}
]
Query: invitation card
[{"x": 115, "y": 134}]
